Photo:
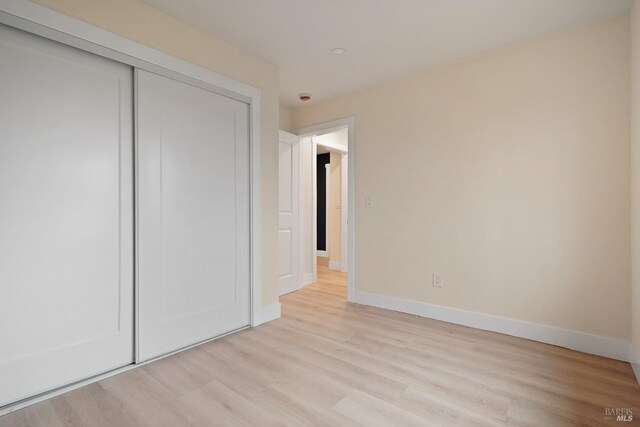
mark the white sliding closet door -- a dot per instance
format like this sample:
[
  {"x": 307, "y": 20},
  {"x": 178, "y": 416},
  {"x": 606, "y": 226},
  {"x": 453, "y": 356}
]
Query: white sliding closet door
[
  {"x": 66, "y": 215},
  {"x": 193, "y": 214}
]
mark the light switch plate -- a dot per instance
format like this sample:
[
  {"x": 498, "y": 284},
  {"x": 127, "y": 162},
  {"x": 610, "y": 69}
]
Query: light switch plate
[
  {"x": 368, "y": 201},
  {"x": 438, "y": 280}
]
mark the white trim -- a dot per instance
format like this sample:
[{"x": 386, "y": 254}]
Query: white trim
[
  {"x": 327, "y": 208},
  {"x": 334, "y": 265},
  {"x": 328, "y": 127},
  {"x": 636, "y": 370},
  {"x": 593, "y": 344},
  {"x": 344, "y": 225},
  {"x": 351, "y": 210},
  {"x": 256, "y": 240},
  {"x": 302, "y": 256},
  {"x": 314, "y": 210},
  {"x": 634, "y": 360},
  {"x": 287, "y": 137},
  {"x": 323, "y": 254},
  {"x": 308, "y": 279},
  {"x": 268, "y": 313}
]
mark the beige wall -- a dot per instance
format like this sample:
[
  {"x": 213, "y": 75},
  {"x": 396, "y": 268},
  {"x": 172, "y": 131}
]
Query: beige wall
[
  {"x": 509, "y": 174},
  {"x": 635, "y": 170},
  {"x": 141, "y": 23},
  {"x": 334, "y": 207},
  {"x": 285, "y": 118}
]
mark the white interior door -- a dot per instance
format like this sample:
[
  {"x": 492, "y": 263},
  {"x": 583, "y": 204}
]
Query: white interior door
[
  {"x": 289, "y": 202},
  {"x": 193, "y": 214},
  {"x": 66, "y": 215}
]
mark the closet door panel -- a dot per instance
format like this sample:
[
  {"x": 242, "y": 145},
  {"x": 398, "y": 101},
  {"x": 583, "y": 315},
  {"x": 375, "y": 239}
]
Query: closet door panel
[
  {"x": 66, "y": 215},
  {"x": 193, "y": 193}
]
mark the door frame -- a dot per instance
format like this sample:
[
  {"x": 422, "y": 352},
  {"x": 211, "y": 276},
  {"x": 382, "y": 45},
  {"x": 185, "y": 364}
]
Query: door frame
[
  {"x": 327, "y": 208},
  {"x": 49, "y": 24},
  {"x": 348, "y": 217}
]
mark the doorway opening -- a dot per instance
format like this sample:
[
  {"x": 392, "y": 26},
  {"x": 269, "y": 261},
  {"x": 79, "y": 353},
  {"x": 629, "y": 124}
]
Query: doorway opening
[
  {"x": 324, "y": 171},
  {"x": 316, "y": 207},
  {"x": 328, "y": 197}
]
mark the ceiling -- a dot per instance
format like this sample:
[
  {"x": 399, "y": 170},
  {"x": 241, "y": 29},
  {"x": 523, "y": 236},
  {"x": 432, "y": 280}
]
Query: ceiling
[{"x": 384, "y": 39}]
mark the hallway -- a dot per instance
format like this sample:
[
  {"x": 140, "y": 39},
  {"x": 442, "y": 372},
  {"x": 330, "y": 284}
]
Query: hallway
[{"x": 330, "y": 282}]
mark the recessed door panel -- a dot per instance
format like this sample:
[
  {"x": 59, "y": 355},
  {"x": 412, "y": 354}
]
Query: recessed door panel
[
  {"x": 66, "y": 215},
  {"x": 288, "y": 268},
  {"x": 193, "y": 194}
]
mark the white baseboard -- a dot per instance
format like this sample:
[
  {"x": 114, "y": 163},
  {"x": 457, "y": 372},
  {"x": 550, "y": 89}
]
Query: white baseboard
[
  {"x": 612, "y": 348},
  {"x": 634, "y": 360},
  {"x": 334, "y": 265},
  {"x": 267, "y": 314},
  {"x": 308, "y": 279},
  {"x": 322, "y": 254}
]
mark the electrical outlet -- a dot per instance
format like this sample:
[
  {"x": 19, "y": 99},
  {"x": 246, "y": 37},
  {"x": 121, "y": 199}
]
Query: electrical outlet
[{"x": 438, "y": 280}]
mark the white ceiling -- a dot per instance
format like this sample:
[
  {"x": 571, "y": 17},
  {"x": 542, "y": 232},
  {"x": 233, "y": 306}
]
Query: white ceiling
[{"x": 385, "y": 39}]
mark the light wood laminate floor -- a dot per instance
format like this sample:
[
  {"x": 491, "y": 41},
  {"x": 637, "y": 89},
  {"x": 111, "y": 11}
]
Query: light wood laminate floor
[{"x": 329, "y": 363}]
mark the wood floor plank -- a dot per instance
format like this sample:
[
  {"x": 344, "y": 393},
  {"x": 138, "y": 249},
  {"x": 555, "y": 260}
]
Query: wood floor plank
[
  {"x": 40, "y": 414},
  {"x": 368, "y": 411},
  {"x": 93, "y": 405},
  {"x": 330, "y": 363},
  {"x": 217, "y": 404}
]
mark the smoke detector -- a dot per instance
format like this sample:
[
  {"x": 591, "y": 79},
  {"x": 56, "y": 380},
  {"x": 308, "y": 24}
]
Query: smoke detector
[
  {"x": 304, "y": 97},
  {"x": 339, "y": 51}
]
